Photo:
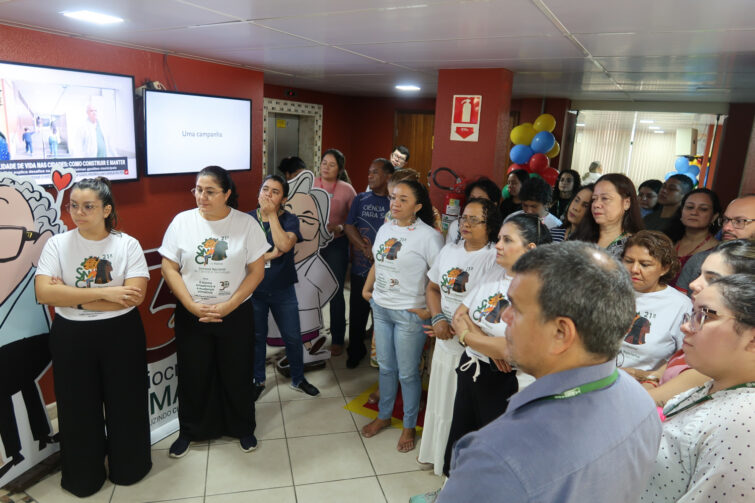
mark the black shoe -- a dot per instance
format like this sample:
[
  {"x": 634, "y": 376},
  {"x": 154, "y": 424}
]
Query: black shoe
[
  {"x": 248, "y": 443},
  {"x": 259, "y": 388},
  {"x": 353, "y": 360},
  {"x": 180, "y": 447},
  {"x": 305, "y": 387}
]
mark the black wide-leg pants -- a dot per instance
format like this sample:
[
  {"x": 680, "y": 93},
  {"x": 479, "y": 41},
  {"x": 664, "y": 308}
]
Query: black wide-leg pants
[
  {"x": 477, "y": 402},
  {"x": 215, "y": 396},
  {"x": 101, "y": 364}
]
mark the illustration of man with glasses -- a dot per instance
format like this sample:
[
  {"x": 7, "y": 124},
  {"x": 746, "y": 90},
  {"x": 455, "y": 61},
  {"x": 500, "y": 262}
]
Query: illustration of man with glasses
[{"x": 28, "y": 218}]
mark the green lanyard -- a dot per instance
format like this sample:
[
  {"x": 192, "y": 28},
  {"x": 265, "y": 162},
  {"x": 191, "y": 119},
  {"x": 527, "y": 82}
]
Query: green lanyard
[
  {"x": 750, "y": 384},
  {"x": 259, "y": 218},
  {"x": 585, "y": 388}
]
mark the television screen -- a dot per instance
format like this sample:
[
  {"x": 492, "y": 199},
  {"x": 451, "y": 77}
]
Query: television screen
[
  {"x": 57, "y": 118},
  {"x": 186, "y": 132}
]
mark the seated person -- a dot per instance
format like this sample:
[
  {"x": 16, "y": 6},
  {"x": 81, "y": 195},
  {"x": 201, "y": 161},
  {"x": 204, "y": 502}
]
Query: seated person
[{"x": 670, "y": 201}]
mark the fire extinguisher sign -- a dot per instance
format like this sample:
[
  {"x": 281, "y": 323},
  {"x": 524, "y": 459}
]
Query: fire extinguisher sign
[{"x": 465, "y": 117}]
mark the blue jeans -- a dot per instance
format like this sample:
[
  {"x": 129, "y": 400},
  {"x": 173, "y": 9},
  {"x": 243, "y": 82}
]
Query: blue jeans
[
  {"x": 399, "y": 340},
  {"x": 285, "y": 309},
  {"x": 336, "y": 254}
]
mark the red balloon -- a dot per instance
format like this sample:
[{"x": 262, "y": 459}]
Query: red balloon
[
  {"x": 538, "y": 163},
  {"x": 550, "y": 175},
  {"x": 512, "y": 168}
]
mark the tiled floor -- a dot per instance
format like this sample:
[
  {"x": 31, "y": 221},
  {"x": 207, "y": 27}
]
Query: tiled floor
[{"x": 310, "y": 451}]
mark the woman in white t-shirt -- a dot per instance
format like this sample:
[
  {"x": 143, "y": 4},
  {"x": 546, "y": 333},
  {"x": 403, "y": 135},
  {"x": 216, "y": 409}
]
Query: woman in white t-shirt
[
  {"x": 404, "y": 250},
  {"x": 213, "y": 261},
  {"x": 95, "y": 276},
  {"x": 655, "y": 334},
  {"x": 483, "y": 386},
  {"x": 460, "y": 266}
]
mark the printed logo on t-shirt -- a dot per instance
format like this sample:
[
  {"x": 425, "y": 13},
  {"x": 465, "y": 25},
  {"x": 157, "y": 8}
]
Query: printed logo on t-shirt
[
  {"x": 388, "y": 250},
  {"x": 211, "y": 249},
  {"x": 454, "y": 280},
  {"x": 93, "y": 270},
  {"x": 640, "y": 328},
  {"x": 490, "y": 309}
]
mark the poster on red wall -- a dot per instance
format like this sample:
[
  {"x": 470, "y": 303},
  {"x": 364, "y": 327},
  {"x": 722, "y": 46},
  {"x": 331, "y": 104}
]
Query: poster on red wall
[{"x": 465, "y": 117}]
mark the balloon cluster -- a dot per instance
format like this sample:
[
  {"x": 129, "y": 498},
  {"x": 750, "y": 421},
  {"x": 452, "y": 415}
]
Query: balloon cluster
[
  {"x": 534, "y": 146},
  {"x": 682, "y": 166}
]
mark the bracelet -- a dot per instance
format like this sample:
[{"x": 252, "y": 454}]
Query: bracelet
[
  {"x": 650, "y": 381},
  {"x": 462, "y": 335},
  {"x": 438, "y": 318}
]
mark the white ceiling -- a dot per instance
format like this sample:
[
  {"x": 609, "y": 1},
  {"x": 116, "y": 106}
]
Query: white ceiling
[{"x": 629, "y": 50}]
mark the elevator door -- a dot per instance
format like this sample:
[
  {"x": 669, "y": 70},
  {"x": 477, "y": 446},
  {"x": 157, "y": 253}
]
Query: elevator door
[{"x": 283, "y": 139}]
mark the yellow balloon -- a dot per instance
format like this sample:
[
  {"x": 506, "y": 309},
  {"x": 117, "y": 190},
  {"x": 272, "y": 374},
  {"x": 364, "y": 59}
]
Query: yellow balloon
[
  {"x": 545, "y": 122},
  {"x": 523, "y": 134},
  {"x": 554, "y": 151}
]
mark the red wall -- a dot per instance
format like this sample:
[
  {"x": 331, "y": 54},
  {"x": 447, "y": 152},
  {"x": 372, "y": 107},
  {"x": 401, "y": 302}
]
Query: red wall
[
  {"x": 360, "y": 127},
  {"x": 147, "y": 206}
]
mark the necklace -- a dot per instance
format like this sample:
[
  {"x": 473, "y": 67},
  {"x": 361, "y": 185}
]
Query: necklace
[{"x": 678, "y": 245}]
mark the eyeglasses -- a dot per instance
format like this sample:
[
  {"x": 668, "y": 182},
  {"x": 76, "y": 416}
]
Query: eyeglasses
[
  {"x": 737, "y": 223},
  {"x": 12, "y": 240},
  {"x": 198, "y": 191},
  {"x": 696, "y": 319},
  {"x": 85, "y": 208},
  {"x": 471, "y": 221}
]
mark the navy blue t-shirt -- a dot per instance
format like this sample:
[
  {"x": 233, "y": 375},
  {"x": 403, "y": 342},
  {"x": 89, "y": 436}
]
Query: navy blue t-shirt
[
  {"x": 282, "y": 272},
  {"x": 367, "y": 214}
]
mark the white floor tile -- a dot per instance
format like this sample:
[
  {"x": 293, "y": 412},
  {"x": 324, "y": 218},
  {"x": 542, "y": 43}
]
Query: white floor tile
[
  {"x": 231, "y": 470},
  {"x": 399, "y": 487},
  {"x": 364, "y": 490},
  {"x": 48, "y": 490},
  {"x": 278, "y": 495},
  {"x": 316, "y": 417},
  {"x": 169, "y": 478},
  {"x": 324, "y": 458},
  {"x": 356, "y": 381}
]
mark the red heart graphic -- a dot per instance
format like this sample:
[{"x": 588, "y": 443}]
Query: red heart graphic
[{"x": 61, "y": 181}]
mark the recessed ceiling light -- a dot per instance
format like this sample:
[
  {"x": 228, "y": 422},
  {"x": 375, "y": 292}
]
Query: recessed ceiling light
[
  {"x": 92, "y": 17},
  {"x": 580, "y": 124},
  {"x": 407, "y": 87},
  {"x": 646, "y": 121},
  {"x": 659, "y": 132},
  {"x": 654, "y": 127}
]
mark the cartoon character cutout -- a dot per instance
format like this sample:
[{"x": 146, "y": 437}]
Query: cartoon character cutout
[
  {"x": 211, "y": 249},
  {"x": 28, "y": 219},
  {"x": 316, "y": 283},
  {"x": 388, "y": 250},
  {"x": 639, "y": 330},
  {"x": 490, "y": 309},
  {"x": 455, "y": 280}
]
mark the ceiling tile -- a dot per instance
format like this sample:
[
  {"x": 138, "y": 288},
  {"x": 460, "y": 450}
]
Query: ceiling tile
[
  {"x": 669, "y": 44},
  {"x": 643, "y": 16},
  {"x": 724, "y": 62},
  {"x": 515, "y": 65}
]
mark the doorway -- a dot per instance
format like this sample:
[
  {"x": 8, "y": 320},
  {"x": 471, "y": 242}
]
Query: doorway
[
  {"x": 414, "y": 130},
  {"x": 283, "y": 138}
]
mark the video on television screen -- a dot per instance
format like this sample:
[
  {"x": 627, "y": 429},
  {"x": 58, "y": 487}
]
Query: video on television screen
[
  {"x": 58, "y": 118},
  {"x": 186, "y": 132}
]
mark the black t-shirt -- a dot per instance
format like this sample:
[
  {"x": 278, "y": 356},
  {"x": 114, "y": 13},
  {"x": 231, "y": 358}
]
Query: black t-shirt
[
  {"x": 508, "y": 206},
  {"x": 282, "y": 271}
]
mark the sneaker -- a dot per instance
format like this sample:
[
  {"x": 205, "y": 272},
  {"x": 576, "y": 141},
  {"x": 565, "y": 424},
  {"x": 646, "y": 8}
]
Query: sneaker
[
  {"x": 248, "y": 443},
  {"x": 305, "y": 387},
  {"x": 425, "y": 498},
  {"x": 180, "y": 447},
  {"x": 259, "y": 388}
]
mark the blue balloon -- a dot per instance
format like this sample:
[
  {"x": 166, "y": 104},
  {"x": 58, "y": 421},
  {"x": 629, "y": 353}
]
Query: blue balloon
[
  {"x": 681, "y": 164},
  {"x": 692, "y": 170},
  {"x": 520, "y": 154},
  {"x": 543, "y": 142},
  {"x": 670, "y": 174}
]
